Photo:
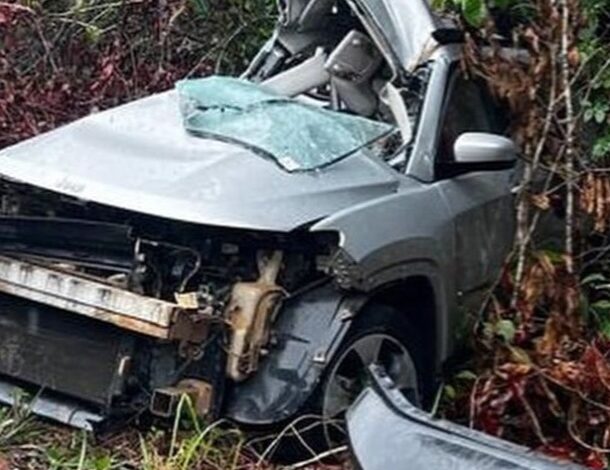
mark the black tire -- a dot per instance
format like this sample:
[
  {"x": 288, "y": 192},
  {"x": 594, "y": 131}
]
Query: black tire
[{"x": 319, "y": 433}]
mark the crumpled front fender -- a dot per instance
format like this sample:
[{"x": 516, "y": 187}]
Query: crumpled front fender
[{"x": 308, "y": 332}]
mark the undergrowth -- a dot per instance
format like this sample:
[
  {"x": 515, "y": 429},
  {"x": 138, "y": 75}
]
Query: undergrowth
[
  {"x": 63, "y": 59},
  {"x": 540, "y": 371},
  {"x": 189, "y": 443}
]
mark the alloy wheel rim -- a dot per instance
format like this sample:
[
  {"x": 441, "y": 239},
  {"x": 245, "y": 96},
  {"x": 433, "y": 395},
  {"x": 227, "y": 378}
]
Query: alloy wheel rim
[{"x": 350, "y": 376}]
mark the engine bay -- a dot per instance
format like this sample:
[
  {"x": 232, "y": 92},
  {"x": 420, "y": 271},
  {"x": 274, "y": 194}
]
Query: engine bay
[{"x": 185, "y": 306}]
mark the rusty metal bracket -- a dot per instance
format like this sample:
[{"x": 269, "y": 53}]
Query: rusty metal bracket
[
  {"x": 165, "y": 401},
  {"x": 87, "y": 296}
]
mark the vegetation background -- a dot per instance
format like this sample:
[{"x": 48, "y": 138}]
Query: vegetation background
[
  {"x": 541, "y": 375},
  {"x": 544, "y": 331},
  {"x": 63, "y": 59}
]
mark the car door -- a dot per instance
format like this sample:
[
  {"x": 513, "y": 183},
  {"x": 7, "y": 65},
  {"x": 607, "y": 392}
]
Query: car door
[{"x": 481, "y": 202}]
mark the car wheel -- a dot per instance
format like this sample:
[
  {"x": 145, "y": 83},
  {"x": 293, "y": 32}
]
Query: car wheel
[{"x": 380, "y": 334}]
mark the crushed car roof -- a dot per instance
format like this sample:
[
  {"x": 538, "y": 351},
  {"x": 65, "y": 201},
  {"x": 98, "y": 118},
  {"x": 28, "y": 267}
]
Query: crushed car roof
[{"x": 406, "y": 26}]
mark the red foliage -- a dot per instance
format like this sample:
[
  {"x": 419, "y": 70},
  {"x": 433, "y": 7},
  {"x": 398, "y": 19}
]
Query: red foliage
[
  {"x": 56, "y": 66},
  {"x": 547, "y": 387}
]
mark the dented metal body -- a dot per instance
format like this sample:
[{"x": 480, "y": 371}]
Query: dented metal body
[{"x": 139, "y": 260}]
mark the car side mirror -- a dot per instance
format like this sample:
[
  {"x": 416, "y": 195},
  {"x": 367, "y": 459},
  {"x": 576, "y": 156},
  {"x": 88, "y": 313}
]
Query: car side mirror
[{"x": 481, "y": 148}]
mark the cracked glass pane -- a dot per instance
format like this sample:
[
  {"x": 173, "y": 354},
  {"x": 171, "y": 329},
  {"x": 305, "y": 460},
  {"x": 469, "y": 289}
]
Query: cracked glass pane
[{"x": 295, "y": 135}]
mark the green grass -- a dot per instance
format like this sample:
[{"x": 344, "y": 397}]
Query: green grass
[{"x": 27, "y": 442}]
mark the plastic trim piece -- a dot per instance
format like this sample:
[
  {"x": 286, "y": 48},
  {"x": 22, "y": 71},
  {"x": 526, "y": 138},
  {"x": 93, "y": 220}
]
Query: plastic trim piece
[
  {"x": 61, "y": 410},
  {"x": 87, "y": 297},
  {"x": 386, "y": 431}
]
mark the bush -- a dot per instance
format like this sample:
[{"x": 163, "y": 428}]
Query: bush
[{"x": 63, "y": 59}]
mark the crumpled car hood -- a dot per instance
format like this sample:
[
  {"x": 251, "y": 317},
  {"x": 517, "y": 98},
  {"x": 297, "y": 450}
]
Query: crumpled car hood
[{"x": 138, "y": 157}]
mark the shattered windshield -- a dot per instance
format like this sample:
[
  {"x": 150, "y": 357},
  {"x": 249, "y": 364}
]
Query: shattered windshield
[{"x": 297, "y": 136}]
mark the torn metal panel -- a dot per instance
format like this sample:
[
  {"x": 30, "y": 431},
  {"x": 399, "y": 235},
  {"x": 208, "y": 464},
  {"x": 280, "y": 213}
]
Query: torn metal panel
[
  {"x": 386, "y": 431},
  {"x": 87, "y": 297}
]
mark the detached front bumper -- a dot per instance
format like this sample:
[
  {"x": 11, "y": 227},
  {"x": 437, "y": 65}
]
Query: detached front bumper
[{"x": 387, "y": 432}]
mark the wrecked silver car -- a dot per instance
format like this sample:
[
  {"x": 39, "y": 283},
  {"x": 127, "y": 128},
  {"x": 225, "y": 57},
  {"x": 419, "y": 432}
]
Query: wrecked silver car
[{"x": 257, "y": 243}]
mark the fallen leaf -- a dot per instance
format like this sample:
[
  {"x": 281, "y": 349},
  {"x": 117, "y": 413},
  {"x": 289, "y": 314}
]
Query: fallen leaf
[
  {"x": 574, "y": 57},
  {"x": 541, "y": 201}
]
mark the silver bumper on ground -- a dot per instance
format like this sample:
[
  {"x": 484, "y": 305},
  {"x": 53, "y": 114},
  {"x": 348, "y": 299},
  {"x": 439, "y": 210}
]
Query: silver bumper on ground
[{"x": 387, "y": 432}]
